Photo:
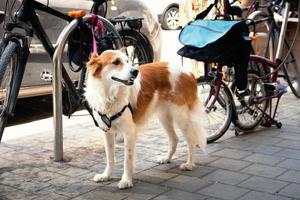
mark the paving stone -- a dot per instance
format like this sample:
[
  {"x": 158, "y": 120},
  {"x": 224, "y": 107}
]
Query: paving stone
[
  {"x": 291, "y": 144},
  {"x": 239, "y": 143},
  {"x": 144, "y": 165},
  {"x": 143, "y": 191},
  {"x": 292, "y": 190},
  {"x": 4, "y": 190},
  {"x": 290, "y": 164},
  {"x": 264, "y": 170},
  {"x": 168, "y": 166},
  {"x": 263, "y": 149},
  {"x": 18, "y": 194},
  {"x": 225, "y": 176},
  {"x": 23, "y": 183},
  {"x": 154, "y": 176},
  {"x": 186, "y": 183},
  {"x": 290, "y": 176},
  {"x": 290, "y": 135},
  {"x": 222, "y": 191},
  {"x": 62, "y": 180},
  {"x": 263, "y": 139},
  {"x": 253, "y": 195},
  {"x": 179, "y": 195},
  {"x": 232, "y": 153},
  {"x": 205, "y": 159},
  {"x": 197, "y": 171},
  {"x": 4, "y": 149},
  {"x": 289, "y": 153},
  {"x": 100, "y": 194},
  {"x": 73, "y": 171},
  {"x": 46, "y": 195},
  {"x": 231, "y": 164},
  {"x": 74, "y": 189},
  {"x": 263, "y": 184},
  {"x": 264, "y": 159}
]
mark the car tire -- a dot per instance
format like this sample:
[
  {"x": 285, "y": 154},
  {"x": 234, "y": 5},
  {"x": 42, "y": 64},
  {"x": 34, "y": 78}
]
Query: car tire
[{"x": 170, "y": 19}]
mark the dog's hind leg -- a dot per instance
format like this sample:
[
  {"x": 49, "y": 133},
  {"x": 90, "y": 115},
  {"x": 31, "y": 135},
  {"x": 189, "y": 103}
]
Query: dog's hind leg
[
  {"x": 184, "y": 123},
  {"x": 167, "y": 122},
  {"x": 109, "y": 141},
  {"x": 190, "y": 149}
]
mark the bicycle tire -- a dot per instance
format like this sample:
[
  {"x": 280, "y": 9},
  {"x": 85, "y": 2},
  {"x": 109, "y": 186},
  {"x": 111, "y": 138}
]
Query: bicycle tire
[
  {"x": 248, "y": 117},
  {"x": 9, "y": 91},
  {"x": 291, "y": 72},
  {"x": 141, "y": 50},
  {"x": 218, "y": 119}
]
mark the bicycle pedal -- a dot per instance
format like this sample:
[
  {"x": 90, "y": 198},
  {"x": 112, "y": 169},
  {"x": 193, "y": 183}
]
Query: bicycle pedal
[{"x": 46, "y": 76}]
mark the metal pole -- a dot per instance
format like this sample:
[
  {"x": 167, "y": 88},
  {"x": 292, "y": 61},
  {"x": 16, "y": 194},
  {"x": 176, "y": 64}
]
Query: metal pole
[
  {"x": 57, "y": 81},
  {"x": 57, "y": 91},
  {"x": 283, "y": 30}
]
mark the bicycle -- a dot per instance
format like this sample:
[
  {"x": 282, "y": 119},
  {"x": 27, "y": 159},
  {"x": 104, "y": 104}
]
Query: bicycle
[
  {"x": 14, "y": 51},
  {"x": 264, "y": 14},
  {"x": 246, "y": 111}
]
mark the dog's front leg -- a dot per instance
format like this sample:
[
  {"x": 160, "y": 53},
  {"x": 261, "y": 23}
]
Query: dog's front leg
[
  {"x": 129, "y": 147},
  {"x": 109, "y": 141}
]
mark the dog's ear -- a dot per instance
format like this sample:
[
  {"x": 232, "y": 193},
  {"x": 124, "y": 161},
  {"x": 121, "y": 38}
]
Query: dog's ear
[
  {"x": 92, "y": 60},
  {"x": 94, "y": 65},
  {"x": 123, "y": 50}
]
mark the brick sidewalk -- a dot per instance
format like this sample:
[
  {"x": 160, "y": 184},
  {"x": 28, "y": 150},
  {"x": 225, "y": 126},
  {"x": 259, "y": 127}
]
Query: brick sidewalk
[{"x": 261, "y": 165}]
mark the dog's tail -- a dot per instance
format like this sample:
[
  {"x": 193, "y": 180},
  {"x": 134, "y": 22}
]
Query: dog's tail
[{"x": 196, "y": 126}]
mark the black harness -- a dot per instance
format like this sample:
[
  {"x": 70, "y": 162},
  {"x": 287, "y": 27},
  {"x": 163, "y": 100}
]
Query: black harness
[{"x": 108, "y": 120}]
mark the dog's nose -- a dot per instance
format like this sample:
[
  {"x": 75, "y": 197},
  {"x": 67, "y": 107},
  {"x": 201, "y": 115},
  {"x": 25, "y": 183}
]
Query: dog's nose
[{"x": 134, "y": 72}]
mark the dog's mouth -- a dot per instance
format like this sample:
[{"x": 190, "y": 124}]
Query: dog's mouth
[{"x": 126, "y": 82}]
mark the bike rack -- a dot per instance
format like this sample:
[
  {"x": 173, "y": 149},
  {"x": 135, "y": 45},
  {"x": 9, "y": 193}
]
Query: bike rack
[
  {"x": 57, "y": 83},
  {"x": 57, "y": 90}
]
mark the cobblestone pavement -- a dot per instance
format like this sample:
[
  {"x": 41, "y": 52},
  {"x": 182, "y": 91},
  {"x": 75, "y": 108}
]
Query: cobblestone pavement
[{"x": 260, "y": 165}]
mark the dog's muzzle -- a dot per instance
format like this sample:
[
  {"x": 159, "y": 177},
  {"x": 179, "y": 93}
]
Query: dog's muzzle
[{"x": 133, "y": 73}]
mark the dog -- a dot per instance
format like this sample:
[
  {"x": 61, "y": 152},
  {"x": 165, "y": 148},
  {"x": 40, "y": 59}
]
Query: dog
[{"x": 124, "y": 97}]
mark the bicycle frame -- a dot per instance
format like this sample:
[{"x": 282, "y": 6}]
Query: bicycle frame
[
  {"x": 27, "y": 14},
  {"x": 271, "y": 67}
]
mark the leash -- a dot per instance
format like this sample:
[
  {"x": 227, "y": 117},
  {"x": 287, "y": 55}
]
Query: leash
[{"x": 97, "y": 26}]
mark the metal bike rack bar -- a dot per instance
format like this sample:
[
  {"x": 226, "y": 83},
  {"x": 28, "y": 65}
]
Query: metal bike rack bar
[
  {"x": 57, "y": 90},
  {"x": 57, "y": 83}
]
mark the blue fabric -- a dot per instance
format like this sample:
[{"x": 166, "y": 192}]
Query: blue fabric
[{"x": 199, "y": 33}]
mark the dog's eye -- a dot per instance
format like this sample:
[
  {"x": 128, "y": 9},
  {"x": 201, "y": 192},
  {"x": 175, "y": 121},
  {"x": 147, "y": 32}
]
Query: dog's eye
[{"x": 116, "y": 61}]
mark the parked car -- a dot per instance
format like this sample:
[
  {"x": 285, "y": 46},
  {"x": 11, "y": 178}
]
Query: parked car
[
  {"x": 39, "y": 62},
  {"x": 167, "y": 12}
]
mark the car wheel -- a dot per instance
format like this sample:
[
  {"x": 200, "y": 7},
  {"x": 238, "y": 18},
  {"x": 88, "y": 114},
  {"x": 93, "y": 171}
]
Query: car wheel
[{"x": 170, "y": 19}]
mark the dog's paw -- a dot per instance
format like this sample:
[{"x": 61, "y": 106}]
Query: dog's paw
[
  {"x": 186, "y": 167},
  {"x": 101, "y": 178},
  {"x": 163, "y": 160},
  {"x": 124, "y": 184}
]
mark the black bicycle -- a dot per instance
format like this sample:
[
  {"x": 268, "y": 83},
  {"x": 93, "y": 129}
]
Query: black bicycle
[{"x": 14, "y": 51}]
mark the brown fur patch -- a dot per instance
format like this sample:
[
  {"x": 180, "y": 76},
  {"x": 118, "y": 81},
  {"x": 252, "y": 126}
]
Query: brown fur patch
[
  {"x": 97, "y": 63},
  {"x": 155, "y": 78}
]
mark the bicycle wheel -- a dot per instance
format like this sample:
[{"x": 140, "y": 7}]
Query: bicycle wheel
[
  {"x": 8, "y": 90},
  {"x": 248, "y": 116},
  {"x": 291, "y": 72},
  {"x": 218, "y": 119},
  {"x": 138, "y": 48}
]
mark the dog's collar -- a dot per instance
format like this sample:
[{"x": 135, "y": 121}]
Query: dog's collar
[{"x": 108, "y": 120}]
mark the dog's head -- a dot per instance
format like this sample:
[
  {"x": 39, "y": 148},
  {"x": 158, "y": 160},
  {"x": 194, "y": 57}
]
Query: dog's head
[{"x": 112, "y": 67}]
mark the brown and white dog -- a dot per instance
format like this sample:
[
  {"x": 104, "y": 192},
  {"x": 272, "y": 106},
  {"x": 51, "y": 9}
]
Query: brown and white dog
[{"x": 169, "y": 92}]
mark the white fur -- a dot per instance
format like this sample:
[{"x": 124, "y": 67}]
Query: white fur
[{"x": 109, "y": 97}]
